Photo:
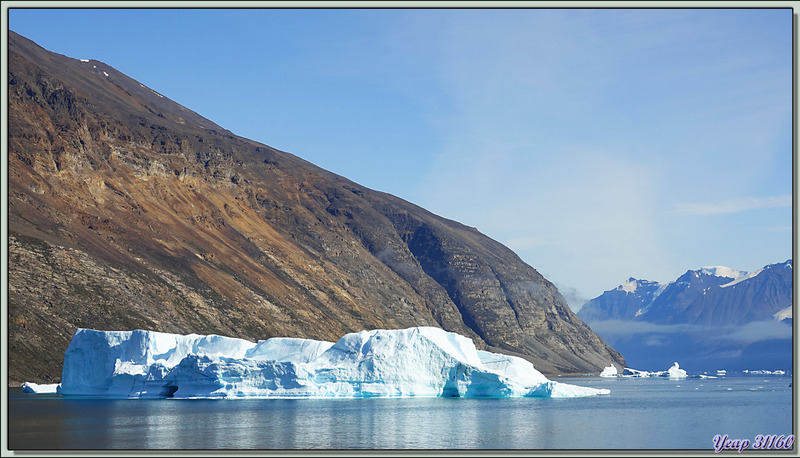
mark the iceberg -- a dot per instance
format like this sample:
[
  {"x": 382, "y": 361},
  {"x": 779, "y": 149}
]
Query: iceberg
[
  {"x": 673, "y": 372},
  {"x": 609, "y": 371},
  {"x": 419, "y": 361},
  {"x": 628, "y": 372},
  {"x": 50, "y": 388},
  {"x": 702, "y": 376}
]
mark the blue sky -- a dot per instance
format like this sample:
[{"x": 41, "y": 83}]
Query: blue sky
[{"x": 598, "y": 144}]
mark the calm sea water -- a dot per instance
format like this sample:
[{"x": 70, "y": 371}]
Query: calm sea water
[{"x": 648, "y": 414}]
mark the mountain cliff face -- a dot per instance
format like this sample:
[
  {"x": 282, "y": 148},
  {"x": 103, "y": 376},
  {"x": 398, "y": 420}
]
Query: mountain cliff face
[
  {"x": 129, "y": 211},
  {"x": 710, "y": 318}
]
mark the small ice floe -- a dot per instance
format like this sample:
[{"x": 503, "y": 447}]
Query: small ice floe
[
  {"x": 105, "y": 73},
  {"x": 84, "y": 60},
  {"x": 30, "y": 387},
  {"x": 765, "y": 372}
]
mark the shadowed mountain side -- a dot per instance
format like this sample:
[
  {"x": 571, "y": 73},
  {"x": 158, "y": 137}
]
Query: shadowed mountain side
[{"x": 129, "y": 211}]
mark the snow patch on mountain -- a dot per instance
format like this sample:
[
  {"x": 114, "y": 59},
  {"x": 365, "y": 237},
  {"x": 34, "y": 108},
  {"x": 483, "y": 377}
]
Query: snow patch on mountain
[
  {"x": 742, "y": 278},
  {"x": 629, "y": 286},
  {"x": 722, "y": 271},
  {"x": 783, "y": 314}
]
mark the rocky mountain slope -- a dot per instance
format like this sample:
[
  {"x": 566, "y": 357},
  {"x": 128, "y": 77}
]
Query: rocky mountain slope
[{"x": 129, "y": 211}]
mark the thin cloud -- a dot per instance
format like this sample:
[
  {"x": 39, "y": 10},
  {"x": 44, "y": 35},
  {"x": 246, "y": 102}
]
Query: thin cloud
[
  {"x": 761, "y": 330},
  {"x": 574, "y": 298},
  {"x": 620, "y": 328},
  {"x": 735, "y": 205},
  {"x": 523, "y": 155},
  {"x": 780, "y": 228},
  {"x": 613, "y": 330}
]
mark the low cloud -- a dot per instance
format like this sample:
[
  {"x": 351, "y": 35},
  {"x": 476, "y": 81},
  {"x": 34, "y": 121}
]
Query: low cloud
[
  {"x": 622, "y": 328},
  {"x": 390, "y": 258},
  {"x": 574, "y": 298},
  {"x": 761, "y": 330},
  {"x": 613, "y": 330},
  {"x": 656, "y": 341}
]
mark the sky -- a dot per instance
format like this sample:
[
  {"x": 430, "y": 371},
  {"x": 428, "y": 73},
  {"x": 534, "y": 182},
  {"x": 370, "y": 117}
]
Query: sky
[{"x": 598, "y": 144}]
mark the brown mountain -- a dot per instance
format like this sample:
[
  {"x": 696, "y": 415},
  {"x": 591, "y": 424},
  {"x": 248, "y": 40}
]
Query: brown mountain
[{"x": 129, "y": 211}]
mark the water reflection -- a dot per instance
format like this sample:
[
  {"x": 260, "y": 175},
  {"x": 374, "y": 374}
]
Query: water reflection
[
  {"x": 654, "y": 414},
  {"x": 416, "y": 424}
]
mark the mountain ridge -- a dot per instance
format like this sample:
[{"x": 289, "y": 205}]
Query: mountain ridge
[
  {"x": 142, "y": 214},
  {"x": 665, "y": 302}
]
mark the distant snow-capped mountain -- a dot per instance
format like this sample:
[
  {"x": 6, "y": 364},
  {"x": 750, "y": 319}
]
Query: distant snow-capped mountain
[
  {"x": 715, "y": 295},
  {"x": 709, "y": 318}
]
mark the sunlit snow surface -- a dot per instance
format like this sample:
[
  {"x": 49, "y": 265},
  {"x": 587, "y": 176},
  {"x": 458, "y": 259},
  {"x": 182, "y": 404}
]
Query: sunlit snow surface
[
  {"x": 722, "y": 271},
  {"x": 421, "y": 361},
  {"x": 783, "y": 313}
]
